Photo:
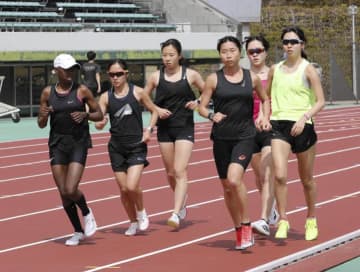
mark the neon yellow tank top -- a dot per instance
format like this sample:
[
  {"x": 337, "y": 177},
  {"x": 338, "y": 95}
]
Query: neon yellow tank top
[{"x": 291, "y": 95}]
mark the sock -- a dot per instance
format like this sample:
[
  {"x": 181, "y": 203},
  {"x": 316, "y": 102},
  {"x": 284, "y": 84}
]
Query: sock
[
  {"x": 246, "y": 224},
  {"x": 71, "y": 212},
  {"x": 81, "y": 202}
]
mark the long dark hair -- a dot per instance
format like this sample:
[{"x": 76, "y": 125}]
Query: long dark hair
[{"x": 299, "y": 32}]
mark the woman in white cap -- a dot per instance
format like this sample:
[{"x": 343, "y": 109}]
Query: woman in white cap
[{"x": 69, "y": 140}]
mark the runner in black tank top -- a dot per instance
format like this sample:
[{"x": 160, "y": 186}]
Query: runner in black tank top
[
  {"x": 69, "y": 140},
  {"x": 174, "y": 96},
  {"x": 175, "y": 104},
  {"x": 128, "y": 143},
  {"x": 236, "y": 101},
  {"x": 233, "y": 130}
]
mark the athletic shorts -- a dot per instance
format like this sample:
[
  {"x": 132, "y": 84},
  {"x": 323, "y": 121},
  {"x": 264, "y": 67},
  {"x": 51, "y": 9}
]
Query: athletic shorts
[
  {"x": 262, "y": 139},
  {"x": 173, "y": 134},
  {"x": 226, "y": 152},
  {"x": 122, "y": 156},
  {"x": 66, "y": 150},
  {"x": 281, "y": 130}
]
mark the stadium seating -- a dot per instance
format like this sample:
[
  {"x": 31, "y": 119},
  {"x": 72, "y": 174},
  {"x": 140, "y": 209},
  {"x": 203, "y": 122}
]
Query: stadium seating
[{"x": 59, "y": 16}]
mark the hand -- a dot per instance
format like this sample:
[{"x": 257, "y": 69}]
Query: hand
[
  {"x": 192, "y": 105},
  {"x": 163, "y": 113},
  {"x": 218, "y": 117},
  {"x": 298, "y": 127},
  {"x": 101, "y": 124},
  {"x": 45, "y": 111},
  {"x": 146, "y": 136},
  {"x": 266, "y": 125},
  {"x": 79, "y": 116}
]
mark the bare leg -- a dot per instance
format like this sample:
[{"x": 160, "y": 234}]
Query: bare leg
[
  {"x": 306, "y": 167},
  {"x": 280, "y": 153}
]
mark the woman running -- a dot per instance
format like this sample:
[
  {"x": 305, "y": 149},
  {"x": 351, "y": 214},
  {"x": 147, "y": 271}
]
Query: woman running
[
  {"x": 69, "y": 140},
  {"x": 297, "y": 96},
  {"x": 233, "y": 131},
  {"x": 175, "y": 102},
  {"x": 128, "y": 143}
]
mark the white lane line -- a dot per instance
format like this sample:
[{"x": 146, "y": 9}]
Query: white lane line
[
  {"x": 159, "y": 251},
  {"x": 192, "y": 206}
]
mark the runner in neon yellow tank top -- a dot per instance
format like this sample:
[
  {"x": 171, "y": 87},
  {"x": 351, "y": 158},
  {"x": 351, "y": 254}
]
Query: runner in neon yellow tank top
[{"x": 296, "y": 96}]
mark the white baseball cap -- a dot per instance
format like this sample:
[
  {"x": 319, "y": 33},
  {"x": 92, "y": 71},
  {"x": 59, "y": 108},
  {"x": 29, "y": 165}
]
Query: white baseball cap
[{"x": 65, "y": 61}]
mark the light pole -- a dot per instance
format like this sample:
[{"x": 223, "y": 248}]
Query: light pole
[{"x": 352, "y": 10}]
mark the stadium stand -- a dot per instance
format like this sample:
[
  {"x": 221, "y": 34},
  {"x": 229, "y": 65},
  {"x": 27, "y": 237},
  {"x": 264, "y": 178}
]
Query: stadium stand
[{"x": 71, "y": 16}]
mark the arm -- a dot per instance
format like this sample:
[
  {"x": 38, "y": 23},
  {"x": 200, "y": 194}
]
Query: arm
[
  {"x": 45, "y": 109},
  {"x": 314, "y": 79},
  {"x": 98, "y": 82},
  {"x": 264, "y": 115},
  {"x": 196, "y": 80},
  {"x": 315, "y": 83},
  {"x": 151, "y": 84},
  {"x": 94, "y": 113},
  {"x": 209, "y": 88},
  {"x": 144, "y": 98},
  {"x": 103, "y": 103}
]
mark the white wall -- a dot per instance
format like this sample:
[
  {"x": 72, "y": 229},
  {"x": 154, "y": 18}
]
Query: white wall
[{"x": 104, "y": 41}]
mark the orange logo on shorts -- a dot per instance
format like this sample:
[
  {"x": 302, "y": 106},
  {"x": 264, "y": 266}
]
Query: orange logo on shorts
[{"x": 242, "y": 157}]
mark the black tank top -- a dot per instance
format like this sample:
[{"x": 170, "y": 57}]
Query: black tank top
[
  {"x": 61, "y": 122},
  {"x": 125, "y": 117},
  {"x": 236, "y": 101},
  {"x": 173, "y": 96}
]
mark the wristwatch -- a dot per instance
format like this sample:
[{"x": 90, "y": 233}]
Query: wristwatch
[{"x": 151, "y": 129}]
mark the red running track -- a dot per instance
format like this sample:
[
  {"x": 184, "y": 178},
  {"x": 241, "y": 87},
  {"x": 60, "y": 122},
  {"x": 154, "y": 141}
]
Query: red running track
[{"x": 34, "y": 226}]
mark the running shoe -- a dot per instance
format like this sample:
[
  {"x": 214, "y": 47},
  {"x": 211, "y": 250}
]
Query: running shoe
[
  {"x": 174, "y": 220},
  {"x": 274, "y": 215},
  {"x": 283, "y": 228},
  {"x": 247, "y": 237},
  {"x": 311, "y": 229},
  {"x": 131, "y": 231},
  {"x": 90, "y": 224},
  {"x": 183, "y": 212},
  {"x": 261, "y": 227},
  {"x": 75, "y": 239},
  {"x": 143, "y": 220},
  {"x": 238, "y": 238}
]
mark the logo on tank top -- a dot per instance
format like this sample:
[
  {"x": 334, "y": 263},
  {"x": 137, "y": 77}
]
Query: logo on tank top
[
  {"x": 124, "y": 110},
  {"x": 242, "y": 157}
]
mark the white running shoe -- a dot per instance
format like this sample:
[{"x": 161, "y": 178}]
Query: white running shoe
[
  {"x": 261, "y": 227},
  {"x": 274, "y": 215},
  {"x": 75, "y": 239},
  {"x": 90, "y": 224},
  {"x": 174, "y": 220},
  {"x": 143, "y": 220},
  {"x": 183, "y": 213},
  {"x": 131, "y": 231}
]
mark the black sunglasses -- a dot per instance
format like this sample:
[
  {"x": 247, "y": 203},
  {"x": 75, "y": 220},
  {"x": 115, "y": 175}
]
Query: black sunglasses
[
  {"x": 291, "y": 41},
  {"x": 116, "y": 74},
  {"x": 255, "y": 51}
]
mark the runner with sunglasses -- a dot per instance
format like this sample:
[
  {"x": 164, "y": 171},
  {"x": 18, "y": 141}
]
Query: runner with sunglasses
[
  {"x": 297, "y": 96},
  {"x": 261, "y": 162},
  {"x": 233, "y": 130},
  {"x": 175, "y": 101},
  {"x": 69, "y": 140},
  {"x": 128, "y": 143}
]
